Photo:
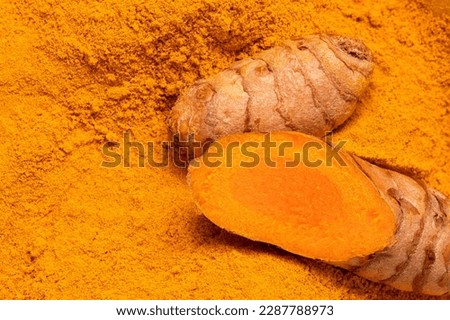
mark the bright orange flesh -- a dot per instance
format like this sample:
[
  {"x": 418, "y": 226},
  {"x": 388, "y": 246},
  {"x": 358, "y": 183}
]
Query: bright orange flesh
[{"x": 333, "y": 213}]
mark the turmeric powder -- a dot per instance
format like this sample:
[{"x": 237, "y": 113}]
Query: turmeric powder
[{"x": 76, "y": 74}]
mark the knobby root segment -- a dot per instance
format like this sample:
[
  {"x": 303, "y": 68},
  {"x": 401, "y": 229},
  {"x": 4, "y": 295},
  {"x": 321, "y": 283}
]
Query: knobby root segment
[
  {"x": 309, "y": 85},
  {"x": 380, "y": 224}
]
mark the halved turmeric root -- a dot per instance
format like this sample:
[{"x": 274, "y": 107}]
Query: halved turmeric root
[{"x": 380, "y": 224}]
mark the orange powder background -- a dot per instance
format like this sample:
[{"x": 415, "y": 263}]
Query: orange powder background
[{"x": 74, "y": 74}]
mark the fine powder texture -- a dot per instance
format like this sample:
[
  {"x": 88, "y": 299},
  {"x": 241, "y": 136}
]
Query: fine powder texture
[{"x": 75, "y": 74}]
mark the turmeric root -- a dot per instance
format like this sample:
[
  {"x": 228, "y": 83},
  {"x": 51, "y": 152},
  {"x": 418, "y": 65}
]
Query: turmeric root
[
  {"x": 380, "y": 224},
  {"x": 309, "y": 85}
]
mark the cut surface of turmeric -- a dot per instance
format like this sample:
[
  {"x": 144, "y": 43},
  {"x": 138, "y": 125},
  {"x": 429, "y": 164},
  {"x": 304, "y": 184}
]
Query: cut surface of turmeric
[
  {"x": 312, "y": 200},
  {"x": 331, "y": 212}
]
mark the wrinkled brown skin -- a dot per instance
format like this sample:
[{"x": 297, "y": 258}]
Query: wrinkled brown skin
[
  {"x": 310, "y": 85},
  {"x": 419, "y": 257}
]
